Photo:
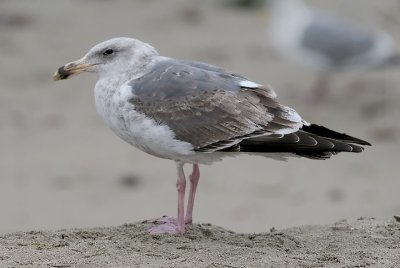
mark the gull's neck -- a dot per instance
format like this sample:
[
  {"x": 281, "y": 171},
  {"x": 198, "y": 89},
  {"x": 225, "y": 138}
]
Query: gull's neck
[{"x": 109, "y": 83}]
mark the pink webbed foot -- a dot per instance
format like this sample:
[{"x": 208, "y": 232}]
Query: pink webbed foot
[
  {"x": 165, "y": 225},
  {"x": 165, "y": 228}
]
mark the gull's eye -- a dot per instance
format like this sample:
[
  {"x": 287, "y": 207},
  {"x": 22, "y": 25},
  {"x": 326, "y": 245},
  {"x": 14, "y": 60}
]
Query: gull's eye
[{"x": 108, "y": 51}]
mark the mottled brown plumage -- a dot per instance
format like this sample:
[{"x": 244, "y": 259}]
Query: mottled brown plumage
[{"x": 205, "y": 106}]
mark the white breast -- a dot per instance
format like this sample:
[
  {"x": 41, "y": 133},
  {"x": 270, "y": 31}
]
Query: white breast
[{"x": 135, "y": 128}]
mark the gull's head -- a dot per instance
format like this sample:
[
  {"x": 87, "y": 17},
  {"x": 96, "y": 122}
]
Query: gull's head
[{"x": 118, "y": 55}]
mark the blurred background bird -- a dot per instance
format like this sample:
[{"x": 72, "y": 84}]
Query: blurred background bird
[{"x": 325, "y": 42}]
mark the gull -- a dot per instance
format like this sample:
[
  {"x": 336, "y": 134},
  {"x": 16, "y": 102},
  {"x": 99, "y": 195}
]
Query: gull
[
  {"x": 196, "y": 113},
  {"x": 324, "y": 42}
]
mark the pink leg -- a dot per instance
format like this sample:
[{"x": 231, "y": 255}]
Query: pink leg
[
  {"x": 194, "y": 180},
  {"x": 170, "y": 225},
  {"x": 181, "y": 186},
  {"x": 320, "y": 91}
]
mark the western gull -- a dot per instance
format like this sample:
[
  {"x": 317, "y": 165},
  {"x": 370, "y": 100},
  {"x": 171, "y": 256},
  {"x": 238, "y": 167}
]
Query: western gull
[
  {"x": 197, "y": 113},
  {"x": 325, "y": 42}
]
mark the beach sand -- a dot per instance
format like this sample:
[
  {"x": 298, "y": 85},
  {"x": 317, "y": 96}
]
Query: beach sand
[{"x": 363, "y": 243}]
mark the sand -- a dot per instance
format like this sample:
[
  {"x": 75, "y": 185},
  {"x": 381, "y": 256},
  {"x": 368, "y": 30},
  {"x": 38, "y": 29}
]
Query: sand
[
  {"x": 363, "y": 243},
  {"x": 62, "y": 168}
]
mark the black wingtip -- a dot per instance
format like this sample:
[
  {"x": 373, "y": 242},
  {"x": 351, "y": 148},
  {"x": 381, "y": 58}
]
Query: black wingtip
[{"x": 327, "y": 133}]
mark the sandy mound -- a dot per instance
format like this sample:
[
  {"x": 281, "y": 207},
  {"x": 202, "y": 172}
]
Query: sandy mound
[{"x": 364, "y": 243}]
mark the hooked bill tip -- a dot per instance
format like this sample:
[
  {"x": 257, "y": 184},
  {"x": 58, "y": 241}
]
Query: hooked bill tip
[{"x": 61, "y": 74}]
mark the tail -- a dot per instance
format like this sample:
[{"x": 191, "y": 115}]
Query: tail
[
  {"x": 341, "y": 142},
  {"x": 313, "y": 141}
]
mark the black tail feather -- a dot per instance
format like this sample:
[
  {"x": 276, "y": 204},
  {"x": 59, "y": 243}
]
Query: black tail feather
[
  {"x": 314, "y": 141},
  {"x": 327, "y": 133}
]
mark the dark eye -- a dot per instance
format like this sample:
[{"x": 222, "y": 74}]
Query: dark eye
[{"x": 108, "y": 52}]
